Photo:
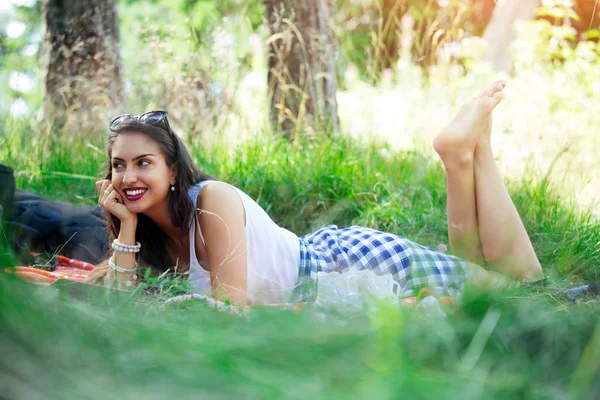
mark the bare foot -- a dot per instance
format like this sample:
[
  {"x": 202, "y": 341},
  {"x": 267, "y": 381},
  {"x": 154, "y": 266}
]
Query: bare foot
[{"x": 458, "y": 140}]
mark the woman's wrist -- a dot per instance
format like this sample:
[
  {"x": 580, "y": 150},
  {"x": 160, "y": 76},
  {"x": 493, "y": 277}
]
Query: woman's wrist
[
  {"x": 127, "y": 231},
  {"x": 125, "y": 260},
  {"x": 130, "y": 223},
  {"x": 125, "y": 276},
  {"x": 131, "y": 219}
]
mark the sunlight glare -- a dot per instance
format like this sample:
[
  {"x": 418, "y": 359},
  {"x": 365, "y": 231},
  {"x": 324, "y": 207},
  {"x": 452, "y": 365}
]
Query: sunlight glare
[
  {"x": 23, "y": 3},
  {"x": 14, "y": 29},
  {"x": 29, "y": 50},
  {"x": 21, "y": 82},
  {"x": 19, "y": 108}
]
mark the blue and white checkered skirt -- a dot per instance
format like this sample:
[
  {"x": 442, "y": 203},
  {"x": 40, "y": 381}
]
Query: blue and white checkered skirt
[{"x": 413, "y": 266}]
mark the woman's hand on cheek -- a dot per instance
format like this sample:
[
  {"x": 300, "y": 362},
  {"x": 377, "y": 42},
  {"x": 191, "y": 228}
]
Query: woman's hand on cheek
[{"x": 110, "y": 200}]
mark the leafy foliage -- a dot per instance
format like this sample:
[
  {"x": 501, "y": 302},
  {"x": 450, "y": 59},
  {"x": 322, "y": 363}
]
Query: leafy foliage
[{"x": 526, "y": 343}]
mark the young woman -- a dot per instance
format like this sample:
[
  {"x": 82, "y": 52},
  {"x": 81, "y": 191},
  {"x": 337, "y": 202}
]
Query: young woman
[{"x": 167, "y": 214}]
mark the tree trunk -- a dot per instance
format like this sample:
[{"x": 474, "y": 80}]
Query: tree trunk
[
  {"x": 82, "y": 84},
  {"x": 589, "y": 11},
  {"x": 501, "y": 31},
  {"x": 301, "y": 76}
]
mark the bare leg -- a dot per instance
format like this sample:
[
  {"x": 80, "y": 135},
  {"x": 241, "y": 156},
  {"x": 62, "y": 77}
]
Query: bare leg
[
  {"x": 480, "y": 278},
  {"x": 463, "y": 230},
  {"x": 479, "y": 208},
  {"x": 505, "y": 243},
  {"x": 455, "y": 145}
]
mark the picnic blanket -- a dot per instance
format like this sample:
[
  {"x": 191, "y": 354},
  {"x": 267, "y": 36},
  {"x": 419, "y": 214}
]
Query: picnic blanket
[
  {"x": 65, "y": 268},
  {"x": 410, "y": 302},
  {"x": 80, "y": 271}
]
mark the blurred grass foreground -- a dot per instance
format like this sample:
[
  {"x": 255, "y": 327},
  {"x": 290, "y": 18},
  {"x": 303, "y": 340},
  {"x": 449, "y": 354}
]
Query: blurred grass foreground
[{"x": 401, "y": 69}]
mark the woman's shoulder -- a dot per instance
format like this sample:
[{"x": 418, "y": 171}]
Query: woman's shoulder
[
  {"x": 221, "y": 199},
  {"x": 196, "y": 187},
  {"x": 217, "y": 194},
  {"x": 195, "y": 190},
  {"x": 212, "y": 189}
]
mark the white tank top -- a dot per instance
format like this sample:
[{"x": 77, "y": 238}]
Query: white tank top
[{"x": 273, "y": 254}]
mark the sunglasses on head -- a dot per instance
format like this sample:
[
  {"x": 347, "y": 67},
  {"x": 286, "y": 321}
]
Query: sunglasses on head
[{"x": 150, "y": 118}]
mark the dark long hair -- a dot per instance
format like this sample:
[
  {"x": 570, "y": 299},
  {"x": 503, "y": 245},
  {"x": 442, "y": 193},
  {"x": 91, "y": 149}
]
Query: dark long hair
[{"x": 154, "y": 252}]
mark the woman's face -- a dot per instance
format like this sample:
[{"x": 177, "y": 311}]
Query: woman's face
[{"x": 140, "y": 173}]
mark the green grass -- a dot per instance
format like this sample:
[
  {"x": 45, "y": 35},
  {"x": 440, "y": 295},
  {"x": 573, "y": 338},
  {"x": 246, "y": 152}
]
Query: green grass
[
  {"x": 503, "y": 345},
  {"x": 320, "y": 182},
  {"x": 527, "y": 343}
]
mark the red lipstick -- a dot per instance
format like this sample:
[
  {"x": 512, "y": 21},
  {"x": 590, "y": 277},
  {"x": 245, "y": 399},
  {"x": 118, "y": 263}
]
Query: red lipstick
[{"x": 133, "y": 194}]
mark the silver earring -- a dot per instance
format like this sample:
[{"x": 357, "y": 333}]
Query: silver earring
[{"x": 172, "y": 188}]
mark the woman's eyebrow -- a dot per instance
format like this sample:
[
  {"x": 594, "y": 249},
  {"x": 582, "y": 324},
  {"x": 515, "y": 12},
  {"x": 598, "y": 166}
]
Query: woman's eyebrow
[{"x": 135, "y": 158}]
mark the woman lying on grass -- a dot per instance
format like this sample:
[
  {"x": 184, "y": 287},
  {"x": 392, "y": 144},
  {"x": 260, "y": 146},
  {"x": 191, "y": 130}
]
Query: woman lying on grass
[{"x": 166, "y": 213}]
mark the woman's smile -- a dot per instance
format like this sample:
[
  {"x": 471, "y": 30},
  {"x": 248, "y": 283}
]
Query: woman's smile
[
  {"x": 134, "y": 194},
  {"x": 140, "y": 171}
]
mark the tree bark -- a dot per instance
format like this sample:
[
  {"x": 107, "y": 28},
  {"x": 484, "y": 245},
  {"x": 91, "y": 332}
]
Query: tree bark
[
  {"x": 589, "y": 11},
  {"x": 301, "y": 77},
  {"x": 82, "y": 84}
]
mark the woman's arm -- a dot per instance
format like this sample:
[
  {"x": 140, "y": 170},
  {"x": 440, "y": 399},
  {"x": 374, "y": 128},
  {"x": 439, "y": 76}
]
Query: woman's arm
[
  {"x": 106, "y": 276},
  {"x": 110, "y": 200},
  {"x": 222, "y": 220},
  {"x": 124, "y": 260}
]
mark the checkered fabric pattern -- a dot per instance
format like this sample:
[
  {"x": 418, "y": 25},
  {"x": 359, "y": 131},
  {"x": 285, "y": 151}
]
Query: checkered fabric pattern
[{"x": 413, "y": 266}]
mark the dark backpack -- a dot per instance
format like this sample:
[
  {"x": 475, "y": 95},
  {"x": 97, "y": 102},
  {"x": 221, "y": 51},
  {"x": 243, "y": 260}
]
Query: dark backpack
[
  {"x": 7, "y": 191},
  {"x": 42, "y": 225},
  {"x": 34, "y": 224}
]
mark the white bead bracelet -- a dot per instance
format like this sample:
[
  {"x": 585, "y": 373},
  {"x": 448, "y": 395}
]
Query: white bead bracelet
[
  {"x": 115, "y": 267},
  {"x": 126, "y": 248},
  {"x": 119, "y": 269}
]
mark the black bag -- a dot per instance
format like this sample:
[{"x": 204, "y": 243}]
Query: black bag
[
  {"x": 7, "y": 191},
  {"x": 31, "y": 223},
  {"x": 42, "y": 225}
]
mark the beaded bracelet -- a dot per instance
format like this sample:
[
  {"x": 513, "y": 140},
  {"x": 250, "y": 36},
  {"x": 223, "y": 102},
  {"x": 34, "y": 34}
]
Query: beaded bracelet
[
  {"x": 126, "y": 248},
  {"x": 114, "y": 266}
]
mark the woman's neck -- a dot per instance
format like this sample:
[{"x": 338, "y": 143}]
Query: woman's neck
[{"x": 162, "y": 218}]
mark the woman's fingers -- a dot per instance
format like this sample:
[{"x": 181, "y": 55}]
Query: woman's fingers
[
  {"x": 109, "y": 189},
  {"x": 117, "y": 196},
  {"x": 101, "y": 187},
  {"x": 109, "y": 195},
  {"x": 112, "y": 197},
  {"x": 111, "y": 200},
  {"x": 105, "y": 191}
]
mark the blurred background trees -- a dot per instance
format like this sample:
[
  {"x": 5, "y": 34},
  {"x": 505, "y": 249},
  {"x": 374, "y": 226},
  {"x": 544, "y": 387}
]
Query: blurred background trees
[
  {"x": 200, "y": 59},
  {"x": 82, "y": 74},
  {"x": 302, "y": 80},
  {"x": 500, "y": 31}
]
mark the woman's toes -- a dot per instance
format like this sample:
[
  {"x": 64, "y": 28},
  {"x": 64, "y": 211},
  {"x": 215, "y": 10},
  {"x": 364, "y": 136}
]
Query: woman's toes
[
  {"x": 498, "y": 86},
  {"x": 487, "y": 92},
  {"x": 499, "y": 95},
  {"x": 487, "y": 104}
]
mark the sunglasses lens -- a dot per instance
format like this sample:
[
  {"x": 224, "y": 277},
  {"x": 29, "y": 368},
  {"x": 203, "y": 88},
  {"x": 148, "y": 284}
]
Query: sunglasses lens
[
  {"x": 152, "y": 117},
  {"x": 116, "y": 121}
]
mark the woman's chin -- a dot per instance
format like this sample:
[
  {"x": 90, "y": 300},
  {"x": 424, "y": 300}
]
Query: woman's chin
[
  {"x": 148, "y": 206},
  {"x": 139, "y": 207},
  {"x": 135, "y": 207}
]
